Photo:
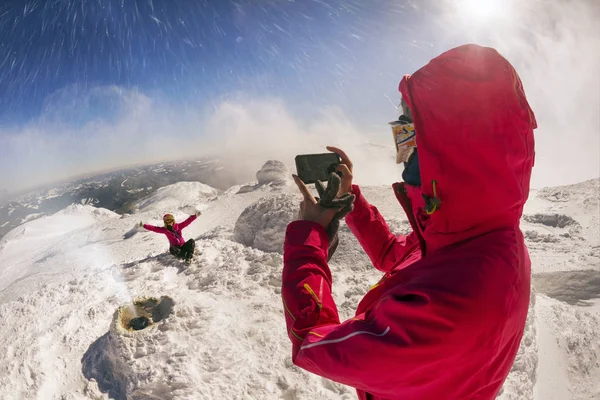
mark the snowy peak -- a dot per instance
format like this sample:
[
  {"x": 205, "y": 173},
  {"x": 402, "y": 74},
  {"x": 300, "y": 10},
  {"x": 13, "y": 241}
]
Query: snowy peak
[{"x": 182, "y": 196}]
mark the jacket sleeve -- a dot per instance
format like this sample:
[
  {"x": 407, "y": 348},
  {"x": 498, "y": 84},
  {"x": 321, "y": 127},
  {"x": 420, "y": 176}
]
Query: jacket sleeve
[
  {"x": 152, "y": 228},
  {"x": 383, "y": 247},
  {"x": 188, "y": 221},
  {"x": 306, "y": 280},
  {"x": 374, "y": 351}
]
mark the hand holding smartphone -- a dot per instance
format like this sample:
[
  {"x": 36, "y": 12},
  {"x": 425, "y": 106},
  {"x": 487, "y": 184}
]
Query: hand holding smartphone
[{"x": 316, "y": 167}]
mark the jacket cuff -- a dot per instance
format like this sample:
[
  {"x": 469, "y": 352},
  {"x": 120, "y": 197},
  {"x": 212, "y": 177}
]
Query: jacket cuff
[
  {"x": 309, "y": 233},
  {"x": 360, "y": 203}
]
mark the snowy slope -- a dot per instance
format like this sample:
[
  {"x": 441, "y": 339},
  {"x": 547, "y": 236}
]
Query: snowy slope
[
  {"x": 35, "y": 251},
  {"x": 188, "y": 194},
  {"x": 63, "y": 277}
]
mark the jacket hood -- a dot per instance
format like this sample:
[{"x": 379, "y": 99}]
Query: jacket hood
[{"x": 474, "y": 131}]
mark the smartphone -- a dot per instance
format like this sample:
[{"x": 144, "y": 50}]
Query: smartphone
[{"x": 316, "y": 167}]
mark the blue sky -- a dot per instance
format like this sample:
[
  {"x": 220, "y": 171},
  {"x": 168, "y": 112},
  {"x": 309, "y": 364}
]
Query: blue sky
[
  {"x": 200, "y": 50},
  {"x": 82, "y": 83}
]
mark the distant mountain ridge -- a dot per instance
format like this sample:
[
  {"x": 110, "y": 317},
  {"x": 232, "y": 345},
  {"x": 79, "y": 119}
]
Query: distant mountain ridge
[{"x": 116, "y": 191}]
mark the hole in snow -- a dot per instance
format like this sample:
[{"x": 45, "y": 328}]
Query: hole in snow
[
  {"x": 552, "y": 220},
  {"x": 139, "y": 323},
  {"x": 144, "y": 312}
]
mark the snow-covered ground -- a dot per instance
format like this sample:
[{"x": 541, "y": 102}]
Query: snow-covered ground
[{"x": 63, "y": 277}]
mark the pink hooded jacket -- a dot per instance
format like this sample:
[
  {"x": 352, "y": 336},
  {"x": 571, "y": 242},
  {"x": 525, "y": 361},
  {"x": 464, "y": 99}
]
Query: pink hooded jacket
[
  {"x": 446, "y": 319},
  {"x": 175, "y": 237}
]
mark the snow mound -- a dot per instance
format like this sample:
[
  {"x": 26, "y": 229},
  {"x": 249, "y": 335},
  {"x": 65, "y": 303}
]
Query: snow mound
[
  {"x": 112, "y": 360},
  {"x": 272, "y": 172},
  {"x": 184, "y": 196},
  {"x": 262, "y": 225}
]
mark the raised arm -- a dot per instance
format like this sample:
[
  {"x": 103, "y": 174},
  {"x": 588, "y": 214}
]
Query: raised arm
[
  {"x": 384, "y": 248},
  {"x": 152, "y": 228},
  {"x": 188, "y": 221},
  {"x": 399, "y": 338}
]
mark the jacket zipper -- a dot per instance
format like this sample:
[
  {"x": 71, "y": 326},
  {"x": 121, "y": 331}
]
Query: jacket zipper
[
  {"x": 407, "y": 206},
  {"x": 313, "y": 294}
]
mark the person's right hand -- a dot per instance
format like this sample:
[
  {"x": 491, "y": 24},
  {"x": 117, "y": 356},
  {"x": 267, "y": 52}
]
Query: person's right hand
[
  {"x": 345, "y": 168},
  {"x": 311, "y": 210}
]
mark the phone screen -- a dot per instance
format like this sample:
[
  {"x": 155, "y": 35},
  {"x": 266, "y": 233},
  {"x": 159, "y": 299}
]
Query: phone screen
[{"x": 316, "y": 167}]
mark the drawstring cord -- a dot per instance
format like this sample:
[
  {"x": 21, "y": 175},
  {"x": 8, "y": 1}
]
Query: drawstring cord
[{"x": 432, "y": 204}]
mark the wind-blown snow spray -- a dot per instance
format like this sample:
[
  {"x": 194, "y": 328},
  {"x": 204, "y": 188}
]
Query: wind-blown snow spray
[
  {"x": 97, "y": 258},
  {"x": 112, "y": 276}
]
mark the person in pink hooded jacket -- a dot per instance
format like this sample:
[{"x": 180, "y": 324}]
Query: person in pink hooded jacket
[
  {"x": 172, "y": 230},
  {"x": 446, "y": 318}
]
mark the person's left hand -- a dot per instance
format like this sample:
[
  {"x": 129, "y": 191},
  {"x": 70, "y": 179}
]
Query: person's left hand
[
  {"x": 310, "y": 210},
  {"x": 198, "y": 213}
]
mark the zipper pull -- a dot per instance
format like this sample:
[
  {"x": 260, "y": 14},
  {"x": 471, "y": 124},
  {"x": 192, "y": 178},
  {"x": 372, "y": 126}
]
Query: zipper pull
[
  {"x": 432, "y": 204},
  {"x": 313, "y": 294}
]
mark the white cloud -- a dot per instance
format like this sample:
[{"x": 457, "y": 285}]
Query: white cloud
[
  {"x": 140, "y": 130},
  {"x": 244, "y": 133}
]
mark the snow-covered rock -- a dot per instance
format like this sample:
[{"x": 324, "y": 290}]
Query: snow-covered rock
[
  {"x": 272, "y": 172},
  {"x": 273, "y": 175},
  {"x": 263, "y": 224}
]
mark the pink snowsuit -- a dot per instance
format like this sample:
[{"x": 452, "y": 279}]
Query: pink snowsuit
[
  {"x": 175, "y": 237},
  {"x": 446, "y": 319}
]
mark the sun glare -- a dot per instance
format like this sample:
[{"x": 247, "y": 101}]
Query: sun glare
[{"x": 482, "y": 9}]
